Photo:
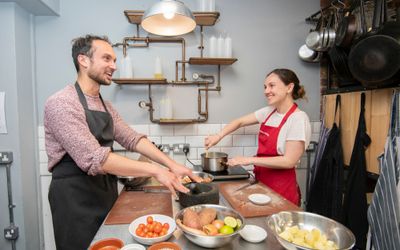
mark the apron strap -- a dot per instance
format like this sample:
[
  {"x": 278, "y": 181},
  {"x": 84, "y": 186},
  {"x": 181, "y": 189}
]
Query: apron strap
[
  {"x": 337, "y": 106},
  {"x": 83, "y": 99}
]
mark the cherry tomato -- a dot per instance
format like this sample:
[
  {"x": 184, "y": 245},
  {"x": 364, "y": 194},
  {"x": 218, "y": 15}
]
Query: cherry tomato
[
  {"x": 158, "y": 228},
  {"x": 149, "y": 219},
  {"x": 166, "y": 225},
  {"x": 155, "y": 235},
  {"x": 149, "y": 234},
  {"x": 141, "y": 225}
]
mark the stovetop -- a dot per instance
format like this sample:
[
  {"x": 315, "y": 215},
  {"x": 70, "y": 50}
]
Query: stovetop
[{"x": 232, "y": 173}]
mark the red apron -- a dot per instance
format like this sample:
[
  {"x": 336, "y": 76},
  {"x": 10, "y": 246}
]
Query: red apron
[{"x": 282, "y": 181}]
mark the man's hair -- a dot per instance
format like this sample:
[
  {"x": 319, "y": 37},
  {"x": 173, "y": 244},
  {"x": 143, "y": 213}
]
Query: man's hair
[{"x": 83, "y": 46}]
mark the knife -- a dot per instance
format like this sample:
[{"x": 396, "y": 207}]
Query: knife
[
  {"x": 251, "y": 183},
  {"x": 150, "y": 189}
]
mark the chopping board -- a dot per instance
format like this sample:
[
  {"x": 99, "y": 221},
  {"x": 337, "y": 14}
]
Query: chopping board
[
  {"x": 240, "y": 202},
  {"x": 133, "y": 204}
]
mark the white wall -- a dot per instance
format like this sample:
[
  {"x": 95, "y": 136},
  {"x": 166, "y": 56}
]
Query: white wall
[{"x": 266, "y": 34}]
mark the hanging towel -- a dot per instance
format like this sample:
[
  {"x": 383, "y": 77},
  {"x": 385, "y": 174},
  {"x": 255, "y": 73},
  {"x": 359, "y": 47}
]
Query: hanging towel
[
  {"x": 384, "y": 212},
  {"x": 323, "y": 137},
  {"x": 355, "y": 200},
  {"x": 326, "y": 193}
]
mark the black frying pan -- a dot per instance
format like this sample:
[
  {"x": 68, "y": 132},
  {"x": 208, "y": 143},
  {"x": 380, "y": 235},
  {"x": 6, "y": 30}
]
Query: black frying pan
[{"x": 375, "y": 59}]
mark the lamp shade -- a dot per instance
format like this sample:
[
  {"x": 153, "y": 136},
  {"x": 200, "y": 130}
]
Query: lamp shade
[{"x": 168, "y": 18}]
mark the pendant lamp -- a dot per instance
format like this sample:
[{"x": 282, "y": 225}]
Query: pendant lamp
[{"x": 168, "y": 18}]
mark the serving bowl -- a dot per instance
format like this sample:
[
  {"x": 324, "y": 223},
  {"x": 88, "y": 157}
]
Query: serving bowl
[
  {"x": 333, "y": 230},
  {"x": 206, "y": 240},
  {"x": 156, "y": 217},
  {"x": 107, "y": 243}
]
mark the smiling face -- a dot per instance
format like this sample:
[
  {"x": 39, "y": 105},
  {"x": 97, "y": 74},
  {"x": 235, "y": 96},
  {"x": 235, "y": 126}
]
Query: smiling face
[
  {"x": 100, "y": 66},
  {"x": 276, "y": 91}
]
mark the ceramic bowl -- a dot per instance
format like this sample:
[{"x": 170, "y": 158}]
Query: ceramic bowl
[
  {"x": 133, "y": 247},
  {"x": 108, "y": 243},
  {"x": 156, "y": 217},
  {"x": 253, "y": 233}
]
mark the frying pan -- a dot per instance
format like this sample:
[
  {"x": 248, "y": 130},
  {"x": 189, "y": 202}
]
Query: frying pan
[
  {"x": 346, "y": 30},
  {"x": 375, "y": 59}
]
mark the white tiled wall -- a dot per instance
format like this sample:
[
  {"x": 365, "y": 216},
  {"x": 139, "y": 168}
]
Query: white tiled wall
[{"x": 242, "y": 142}]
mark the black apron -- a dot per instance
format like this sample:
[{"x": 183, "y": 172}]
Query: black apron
[
  {"x": 355, "y": 201},
  {"x": 326, "y": 193},
  {"x": 79, "y": 202}
]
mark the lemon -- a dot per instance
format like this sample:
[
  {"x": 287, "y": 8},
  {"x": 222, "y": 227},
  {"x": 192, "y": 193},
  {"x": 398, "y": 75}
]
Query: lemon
[
  {"x": 226, "y": 230},
  {"x": 239, "y": 223},
  {"x": 230, "y": 221}
]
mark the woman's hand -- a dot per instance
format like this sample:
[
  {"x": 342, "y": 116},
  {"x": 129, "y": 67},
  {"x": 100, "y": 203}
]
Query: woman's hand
[
  {"x": 211, "y": 140},
  {"x": 239, "y": 160}
]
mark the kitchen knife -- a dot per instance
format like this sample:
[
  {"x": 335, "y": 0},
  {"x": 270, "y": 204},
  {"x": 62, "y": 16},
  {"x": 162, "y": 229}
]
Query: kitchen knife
[
  {"x": 151, "y": 189},
  {"x": 251, "y": 183}
]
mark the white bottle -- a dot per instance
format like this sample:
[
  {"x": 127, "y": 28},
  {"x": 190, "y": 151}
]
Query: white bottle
[
  {"x": 158, "y": 73},
  {"x": 166, "y": 108},
  {"x": 228, "y": 47},
  {"x": 213, "y": 46},
  {"x": 202, "y": 5},
  {"x": 126, "y": 67},
  {"x": 220, "y": 46},
  {"x": 211, "y": 5}
]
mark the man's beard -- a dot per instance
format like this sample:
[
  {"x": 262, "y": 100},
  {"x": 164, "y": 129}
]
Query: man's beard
[{"x": 97, "y": 77}]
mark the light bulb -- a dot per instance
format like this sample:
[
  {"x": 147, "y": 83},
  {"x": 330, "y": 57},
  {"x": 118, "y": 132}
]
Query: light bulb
[{"x": 169, "y": 14}]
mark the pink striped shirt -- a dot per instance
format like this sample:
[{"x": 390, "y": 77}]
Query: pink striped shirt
[{"x": 66, "y": 131}]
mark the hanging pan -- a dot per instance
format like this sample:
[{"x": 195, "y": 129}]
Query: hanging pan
[
  {"x": 346, "y": 29},
  {"x": 375, "y": 59}
]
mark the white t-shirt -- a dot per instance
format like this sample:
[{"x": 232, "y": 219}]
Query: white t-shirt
[{"x": 296, "y": 128}]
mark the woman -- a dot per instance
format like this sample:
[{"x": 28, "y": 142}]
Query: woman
[{"x": 283, "y": 137}]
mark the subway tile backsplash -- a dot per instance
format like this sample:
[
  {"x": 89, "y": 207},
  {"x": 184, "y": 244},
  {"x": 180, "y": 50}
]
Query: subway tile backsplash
[{"x": 242, "y": 142}]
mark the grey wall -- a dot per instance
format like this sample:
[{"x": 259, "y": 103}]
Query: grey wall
[
  {"x": 266, "y": 34},
  {"x": 17, "y": 81}
]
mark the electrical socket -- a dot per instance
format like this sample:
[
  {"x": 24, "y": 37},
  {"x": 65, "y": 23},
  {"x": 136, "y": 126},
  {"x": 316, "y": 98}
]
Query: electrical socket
[
  {"x": 6, "y": 157},
  {"x": 181, "y": 148},
  {"x": 11, "y": 233},
  {"x": 165, "y": 148}
]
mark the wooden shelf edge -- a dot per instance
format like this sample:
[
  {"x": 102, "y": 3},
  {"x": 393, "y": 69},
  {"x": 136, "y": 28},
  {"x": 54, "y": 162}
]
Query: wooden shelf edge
[
  {"x": 176, "y": 121},
  {"x": 201, "y": 18},
  {"x": 139, "y": 81},
  {"x": 211, "y": 61}
]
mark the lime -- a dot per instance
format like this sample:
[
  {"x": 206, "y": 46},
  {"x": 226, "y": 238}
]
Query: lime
[
  {"x": 230, "y": 221},
  {"x": 239, "y": 223},
  {"x": 226, "y": 229}
]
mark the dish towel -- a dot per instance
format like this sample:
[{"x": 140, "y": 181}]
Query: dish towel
[{"x": 384, "y": 212}]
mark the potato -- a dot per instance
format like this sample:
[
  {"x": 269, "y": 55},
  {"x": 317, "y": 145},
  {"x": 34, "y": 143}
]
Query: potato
[
  {"x": 307, "y": 238},
  {"x": 191, "y": 219},
  {"x": 207, "y": 216}
]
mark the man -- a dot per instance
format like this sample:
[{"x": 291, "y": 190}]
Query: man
[{"x": 79, "y": 132}]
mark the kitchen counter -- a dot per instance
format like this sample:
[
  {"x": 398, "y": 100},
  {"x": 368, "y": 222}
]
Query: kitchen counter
[{"x": 121, "y": 231}]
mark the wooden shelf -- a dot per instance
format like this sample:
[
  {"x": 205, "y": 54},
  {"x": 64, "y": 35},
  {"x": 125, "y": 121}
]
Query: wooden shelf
[
  {"x": 201, "y": 18},
  {"x": 211, "y": 61},
  {"x": 139, "y": 81}
]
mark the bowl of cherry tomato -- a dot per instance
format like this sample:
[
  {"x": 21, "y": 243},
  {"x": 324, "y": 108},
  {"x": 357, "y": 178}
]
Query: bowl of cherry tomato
[{"x": 152, "y": 228}]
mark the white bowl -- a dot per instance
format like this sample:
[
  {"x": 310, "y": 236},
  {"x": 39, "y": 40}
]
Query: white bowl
[
  {"x": 253, "y": 233},
  {"x": 259, "y": 199},
  {"x": 133, "y": 247},
  {"x": 156, "y": 217}
]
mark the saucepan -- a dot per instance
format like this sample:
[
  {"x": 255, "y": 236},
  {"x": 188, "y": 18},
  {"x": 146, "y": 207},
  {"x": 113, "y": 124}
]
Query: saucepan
[{"x": 214, "y": 161}]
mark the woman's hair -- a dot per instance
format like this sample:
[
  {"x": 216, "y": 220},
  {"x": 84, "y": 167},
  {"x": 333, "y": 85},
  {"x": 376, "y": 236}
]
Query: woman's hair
[{"x": 287, "y": 76}]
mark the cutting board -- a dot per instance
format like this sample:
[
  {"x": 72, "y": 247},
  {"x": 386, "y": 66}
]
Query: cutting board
[
  {"x": 133, "y": 204},
  {"x": 239, "y": 201}
]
